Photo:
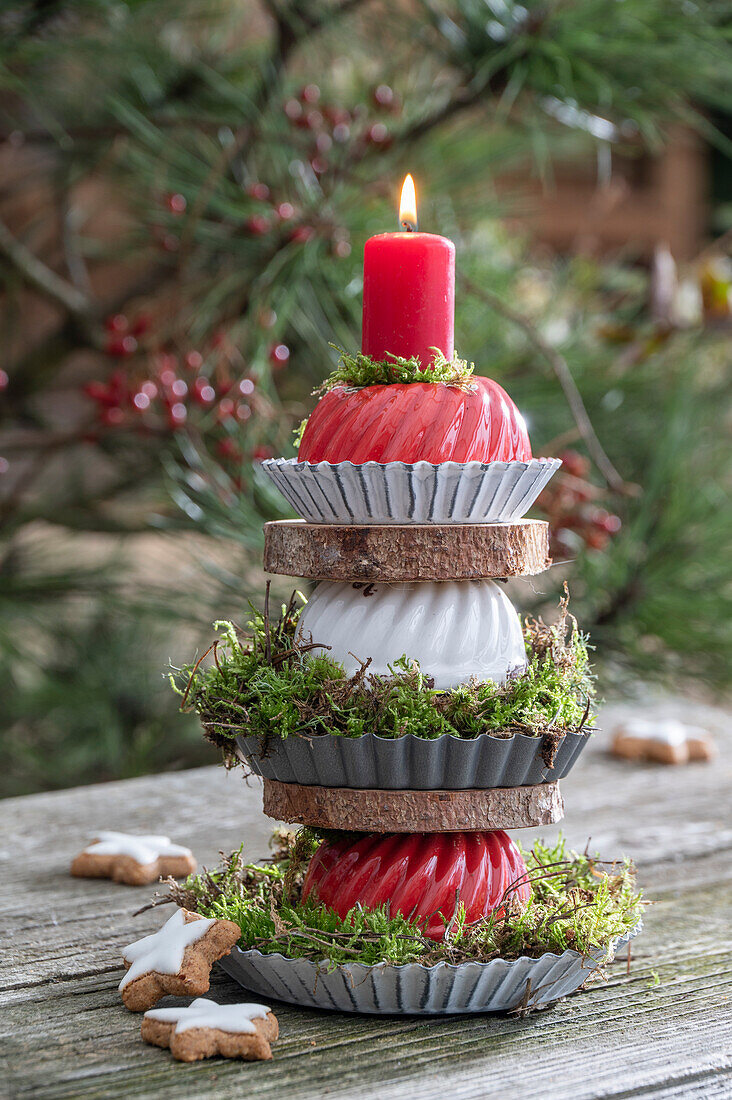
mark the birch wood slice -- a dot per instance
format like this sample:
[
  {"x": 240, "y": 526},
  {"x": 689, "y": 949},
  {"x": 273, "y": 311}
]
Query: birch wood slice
[
  {"x": 413, "y": 811},
  {"x": 409, "y": 552}
]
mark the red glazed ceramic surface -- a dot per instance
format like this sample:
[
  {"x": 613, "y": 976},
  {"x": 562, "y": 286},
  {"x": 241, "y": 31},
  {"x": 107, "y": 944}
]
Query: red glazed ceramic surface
[
  {"x": 418, "y": 873},
  {"x": 416, "y": 421}
]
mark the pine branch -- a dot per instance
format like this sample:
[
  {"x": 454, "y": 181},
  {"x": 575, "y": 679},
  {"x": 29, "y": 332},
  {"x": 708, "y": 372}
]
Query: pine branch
[
  {"x": 564, "y": 376},
  {"x": 286, "y": 40}
]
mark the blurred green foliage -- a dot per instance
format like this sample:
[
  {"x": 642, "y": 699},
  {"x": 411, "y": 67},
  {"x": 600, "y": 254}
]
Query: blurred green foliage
[{"x": 169, "y": 117}]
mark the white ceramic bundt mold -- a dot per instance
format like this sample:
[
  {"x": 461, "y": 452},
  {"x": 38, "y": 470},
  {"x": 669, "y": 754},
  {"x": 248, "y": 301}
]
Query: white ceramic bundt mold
[{"x": 456, "y": 630}]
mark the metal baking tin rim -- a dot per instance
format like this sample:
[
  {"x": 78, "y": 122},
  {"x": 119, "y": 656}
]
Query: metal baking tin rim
[
  {"x": 588, "y": 965},
  {"x": 347, "y": 492},
  {"x": 385, "y": 763}
]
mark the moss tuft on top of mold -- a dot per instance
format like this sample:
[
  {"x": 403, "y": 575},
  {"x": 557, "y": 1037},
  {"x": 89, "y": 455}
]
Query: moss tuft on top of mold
[{"x": 266, "y": 682}]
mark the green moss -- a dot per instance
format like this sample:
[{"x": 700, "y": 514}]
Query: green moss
[
  {"x": 357, "y": 371},
  {"x": 266, "y": 683},
  {"x": 576, "y": 902}
]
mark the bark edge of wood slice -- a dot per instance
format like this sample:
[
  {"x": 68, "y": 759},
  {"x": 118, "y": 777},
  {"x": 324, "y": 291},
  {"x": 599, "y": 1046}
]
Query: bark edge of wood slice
[
  {"x": 406, "y": 552},
  {"x": 373, "y": 811}
]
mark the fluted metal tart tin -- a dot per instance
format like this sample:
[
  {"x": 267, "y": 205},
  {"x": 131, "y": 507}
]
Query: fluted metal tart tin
[
  {"x": 413, "y": 989},
  {"x": 409, "y": 762},
  {"x": 406, "y": 492}
]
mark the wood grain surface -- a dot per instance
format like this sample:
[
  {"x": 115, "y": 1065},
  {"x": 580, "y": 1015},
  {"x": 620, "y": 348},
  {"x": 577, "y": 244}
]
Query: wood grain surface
[
  {"x": 414, "y": 552},
  {"x": 374, "y": 811},
  {"x": 663, "y": 1030}
]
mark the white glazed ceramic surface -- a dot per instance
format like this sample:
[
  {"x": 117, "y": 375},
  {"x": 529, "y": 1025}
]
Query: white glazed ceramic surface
[
  {"x": 406, "y": 492},
  {"x": 454, "y": 629}
]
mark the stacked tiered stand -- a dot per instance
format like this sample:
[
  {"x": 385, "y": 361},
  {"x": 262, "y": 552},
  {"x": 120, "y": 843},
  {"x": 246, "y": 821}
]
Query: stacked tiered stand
[{"x": 412, "y": 500}]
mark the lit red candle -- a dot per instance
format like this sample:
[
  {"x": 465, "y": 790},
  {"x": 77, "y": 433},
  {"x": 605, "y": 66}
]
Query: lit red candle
[{"x": 408, "y": 290}]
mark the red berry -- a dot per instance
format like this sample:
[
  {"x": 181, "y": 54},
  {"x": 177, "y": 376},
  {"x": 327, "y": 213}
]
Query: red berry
[
  {"x": 4, "y": 380},
  {"x": 169, "y": 243},
  {"x": 97, "y": 391},
  {"x": 166, "y": 361},
  {"x": 319, "y": 165},
  {"x": 267, "y": 318},
  {"x": 341, "y": 132},
  {"x": 194, "y": 360},
  {"x": 176, "y": 203},
  {"x": 279, "y": 355},
  {"x": 285, "y": 211},
  {"x": 243, "y": 412},
  {"x": 337, "y": 115},
  {"x": 293, "y": 110},
  {"x": 596, "y": 540},
  {"x": 341, "y": 249},
  {"x": 118, "y": 382},
  {"x": 257, "y": 225},
  {"x": 228, "y": 449},
  {"x": 203, "y": 391},
  {"x": 179, "y": 388},
  {"x": 258, "y": 191},
  {"x": 310, "y": 93},
  {"x": 377, "y": 134},
  {"x": 260, "y": 453},
  {"x": 141, "y": 324},
  {"x": 314, "y": 120},
  {"x": 575, "y": 464},
  {"x": 117, "y": 324},
  {"x": 226, "y": 409},
  {"x": 121, "y": 346},
  {"x": 302, "y": 233},
  {"x": 246, "y": 387},
  {"x": 149, "y": 388},
  {"x": 141, "y": 401},
  {"x": 611, "y": 524},
  {"x": 383, "y": 96},
  {"x": 177, "y": 415},
  {"x": 324, "y": 143},
  {"x": 4, "y": 465},
  {"x": 112, "y": 416}
]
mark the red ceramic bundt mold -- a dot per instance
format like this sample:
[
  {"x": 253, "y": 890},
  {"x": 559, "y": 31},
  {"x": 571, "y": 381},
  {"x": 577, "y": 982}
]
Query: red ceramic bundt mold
[
  {"x": 419, "y": 874},
  {"x": 415, "y": 422}
]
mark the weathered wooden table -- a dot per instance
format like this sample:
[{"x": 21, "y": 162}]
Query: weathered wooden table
[{"x": 664, "y": 1029}]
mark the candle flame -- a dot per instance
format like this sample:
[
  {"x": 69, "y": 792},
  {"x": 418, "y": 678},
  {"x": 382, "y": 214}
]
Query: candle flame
[{"x": 408, "y": 205}]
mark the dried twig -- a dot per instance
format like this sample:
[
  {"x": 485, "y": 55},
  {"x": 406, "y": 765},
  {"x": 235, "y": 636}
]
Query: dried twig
[{"x": 43, "y": 279}]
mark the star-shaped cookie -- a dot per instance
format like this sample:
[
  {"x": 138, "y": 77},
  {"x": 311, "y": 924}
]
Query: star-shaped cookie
[
  {"x": 204, "y": 1029},
  {"x": 135, "y": 860},
  {"x": 661, "y": 741},
  {"x": 175, "y": 959}
]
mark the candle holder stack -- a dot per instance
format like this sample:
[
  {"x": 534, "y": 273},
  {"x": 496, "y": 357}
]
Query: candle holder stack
[
  {"x": 412, "y": 482},
  {"x": 414, "y": 810}
]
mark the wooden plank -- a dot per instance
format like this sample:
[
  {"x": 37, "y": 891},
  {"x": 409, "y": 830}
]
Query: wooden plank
[
  {"x": 374, "y": 811},
  {"x": 64, "y": 1033},
  {"x": 547, "y": 1055},
  {"x": 413, "y": 552}
]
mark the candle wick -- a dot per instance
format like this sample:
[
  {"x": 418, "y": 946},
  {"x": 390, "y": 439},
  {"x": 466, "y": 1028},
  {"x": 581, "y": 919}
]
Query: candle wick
[{"x": 411, "y": 227}]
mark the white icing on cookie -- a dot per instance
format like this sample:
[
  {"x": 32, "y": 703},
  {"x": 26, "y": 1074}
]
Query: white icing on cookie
[
  {"x": 143, "y": 849},
  {"x": 163, "y": 951},
  {"x": 205, "y": 1013},
  {"x": 667, "y": 730}
]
